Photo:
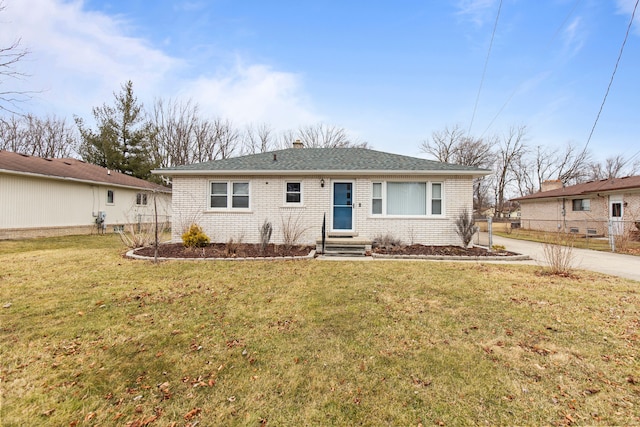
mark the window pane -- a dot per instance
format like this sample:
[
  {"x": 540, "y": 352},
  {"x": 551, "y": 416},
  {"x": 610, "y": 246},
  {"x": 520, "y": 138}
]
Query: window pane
[
  {"x": 240, "y": 202},
  {"x": 241, "y": 188},
  {"x": 293, "y": 197},
  {"x": 219, "y": 188},
  {"x": 377, "y": 190},
  {"x": 109, "y": 196},
  {"x": 436, "y": 207},
  {"x": 406, "y": 198},
  {"x": 219, "y": 201},
  {"x": 293, "y": 187},
  {"x": 436, "y": 191},
  {"x": 376, "y": 206}
]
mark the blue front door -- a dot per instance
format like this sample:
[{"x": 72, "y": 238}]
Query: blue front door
[{"x": 343, "y": 206}]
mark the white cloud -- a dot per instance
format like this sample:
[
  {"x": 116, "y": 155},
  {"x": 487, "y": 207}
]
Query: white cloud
[
  {"x": 574, "y": 36},
  {"x": 625, "y": 7},
  {"x": 253, "y": 94},
  {"x": 477, "y": 11},
  {"x": 79, "y": 58}
]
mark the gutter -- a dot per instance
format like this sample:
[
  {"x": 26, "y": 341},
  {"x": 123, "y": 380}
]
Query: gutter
[{"x": 325, "y": 172}]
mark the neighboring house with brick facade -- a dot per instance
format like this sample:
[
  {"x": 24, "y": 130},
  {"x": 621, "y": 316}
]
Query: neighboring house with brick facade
[
  {"x": 592, "y": 208},
  {"x": 354, "y": 192},
  {"x": 47, "y": 197}
]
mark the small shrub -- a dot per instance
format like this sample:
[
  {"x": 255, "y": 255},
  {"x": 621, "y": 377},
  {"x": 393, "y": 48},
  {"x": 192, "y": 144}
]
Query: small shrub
[
  {"x": 195, "y": 237},
  {"x": 265, "y": 235},
  {"x": 231, "y": 248},
  {"x": 292, "y": 230},
  {"x": 387, "y": 241},
  {"x": 558, "y": 253},
  {"x": 498, "y": 248},
  {"x": 466, "y": 227}
]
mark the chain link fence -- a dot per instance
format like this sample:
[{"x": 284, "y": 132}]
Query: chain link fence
[{"x": 618, "y": 234}]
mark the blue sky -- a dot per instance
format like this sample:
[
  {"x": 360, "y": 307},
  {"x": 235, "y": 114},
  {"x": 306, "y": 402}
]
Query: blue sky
[{"x": 390, "y": 73}]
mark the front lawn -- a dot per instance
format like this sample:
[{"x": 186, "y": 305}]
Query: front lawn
[{"x": 90, "y": 338}]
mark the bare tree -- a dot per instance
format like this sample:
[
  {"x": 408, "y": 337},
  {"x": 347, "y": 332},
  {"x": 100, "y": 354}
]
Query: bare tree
[
  {"x": 227, "y": 138},
  {"x": 510, "y": 150},
  {"x": 614, "y": 167},
  {"x": 568, "y": 164},
  {"x": 258, "y": 139},
  {"x": 173, "y": 135},
  {"x": 321, "y": 135},
  {"x": 444, "y": 144},
  {"x": 10, "y": 56},
  {"x": 49, "y": 137}
]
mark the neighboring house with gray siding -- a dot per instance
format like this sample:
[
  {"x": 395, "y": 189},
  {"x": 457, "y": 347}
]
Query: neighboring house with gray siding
[
  {"x": 356, "y": 192},
  {"x": 46, "y": 197},
  {"x": 585, "y": 209}
]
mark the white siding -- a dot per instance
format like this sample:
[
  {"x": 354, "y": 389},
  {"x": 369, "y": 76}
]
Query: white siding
[
  {"x": 30, "y": 202},
  {"x": 191, "y": 201}
]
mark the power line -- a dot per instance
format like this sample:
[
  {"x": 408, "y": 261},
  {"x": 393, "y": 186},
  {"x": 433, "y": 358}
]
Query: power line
[
  {"x": 624, "y": 42},
  {"x": 547, "y": 47},
  {"x": 484, "y": 71}
]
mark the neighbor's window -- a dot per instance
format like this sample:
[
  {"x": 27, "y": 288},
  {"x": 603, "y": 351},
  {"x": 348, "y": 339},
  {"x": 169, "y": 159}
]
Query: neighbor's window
[
  {"x": 376, "y": 199},
  {"x": 141, "y": 199},
  {"x": 581, "y": 205},
  {"x": 110, "y": 197},
  {"x": 293, "y": 192},
  {"x": 229, "y": 195}
]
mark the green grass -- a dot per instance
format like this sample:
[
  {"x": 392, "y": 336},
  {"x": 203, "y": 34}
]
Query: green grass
[
  {"x": 624, "y": 244},
  {"x": 91, "y": 338}
]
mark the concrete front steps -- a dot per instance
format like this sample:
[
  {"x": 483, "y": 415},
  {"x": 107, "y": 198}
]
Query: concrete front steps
[{"x": 344, "y": 246}]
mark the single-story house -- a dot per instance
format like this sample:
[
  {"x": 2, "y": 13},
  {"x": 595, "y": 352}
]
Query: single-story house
[
  {"x": 592, "y": 208},
  {"x": 48, "y": 197},
  {"x": 348, "y": 192}
]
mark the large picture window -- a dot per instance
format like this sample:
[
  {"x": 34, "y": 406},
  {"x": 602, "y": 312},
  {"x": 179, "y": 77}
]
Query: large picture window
[
  {"x": 407, "y": 198},
  {"x": 229, "y": 195}
]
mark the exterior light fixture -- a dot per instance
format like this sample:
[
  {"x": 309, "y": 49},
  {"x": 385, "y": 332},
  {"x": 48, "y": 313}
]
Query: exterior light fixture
[{"x": 321, "y": 182}]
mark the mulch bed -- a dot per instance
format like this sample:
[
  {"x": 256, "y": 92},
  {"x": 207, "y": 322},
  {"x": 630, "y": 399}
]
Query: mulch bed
[
  {"x": 247, "y": 250},
  {"x": 223, "y": 250},
  {"x": 438, "y": 251}
]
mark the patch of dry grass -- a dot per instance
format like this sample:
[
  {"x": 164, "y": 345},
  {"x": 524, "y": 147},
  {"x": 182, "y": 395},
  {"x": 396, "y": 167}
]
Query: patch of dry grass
[{"x": 90, "y": 338}]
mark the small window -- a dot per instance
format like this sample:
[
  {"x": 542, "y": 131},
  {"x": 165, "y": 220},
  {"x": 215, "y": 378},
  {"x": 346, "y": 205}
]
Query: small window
[
  {"x": 376, "y": 199},
  {"x": 436, "y": 199},
  {"x": 293, "y": 192},
  {"x": 616, "y": 210},
  {"x": 141, "y": 199},
  {"x": 110, "y": 197},
  {"x": 581, "y": 205},
  {"x": 574, "y": 230}
]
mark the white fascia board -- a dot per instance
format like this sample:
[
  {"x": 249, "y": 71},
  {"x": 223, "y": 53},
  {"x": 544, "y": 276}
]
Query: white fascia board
[{"x": 474, "y": 174}]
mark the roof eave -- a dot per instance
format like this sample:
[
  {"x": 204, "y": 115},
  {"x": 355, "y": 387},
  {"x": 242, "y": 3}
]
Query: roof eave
[
  {"x": 82, "y": 181},
  {"x": 191, "y": 172}
]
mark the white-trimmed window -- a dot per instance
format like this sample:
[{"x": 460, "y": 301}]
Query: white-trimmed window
[
  {"x": 293, "y": 193},
  {"x": 399, "y": 198},
  {"x": 581, "y": 204},
  {"x": 141, "y": 199},
  {"x": 110, "y": 197},
  {"x": 376, "y": 199},
  {"x": 229, "y": 195}
]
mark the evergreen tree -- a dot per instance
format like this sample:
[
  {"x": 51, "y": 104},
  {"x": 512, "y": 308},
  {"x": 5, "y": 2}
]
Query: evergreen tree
[{"x": 121, "y": 141}]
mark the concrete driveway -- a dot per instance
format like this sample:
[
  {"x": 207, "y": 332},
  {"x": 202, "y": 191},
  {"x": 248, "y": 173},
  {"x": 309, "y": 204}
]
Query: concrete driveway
[{"x": 627, "y": 266}]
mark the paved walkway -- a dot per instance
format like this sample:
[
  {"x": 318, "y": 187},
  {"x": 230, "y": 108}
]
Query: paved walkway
[{"x": 627, "y": 266}]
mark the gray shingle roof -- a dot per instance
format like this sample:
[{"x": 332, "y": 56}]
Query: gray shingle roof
[
  {"x": 71, "y": 169},
  {"x": 313, "y": 160},
  {"x": 601, "y": 186}
]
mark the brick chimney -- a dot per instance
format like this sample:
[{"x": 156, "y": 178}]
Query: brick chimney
[
  {"x": 298, "y": 144},
  {"x": 551, "y": 184}
]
